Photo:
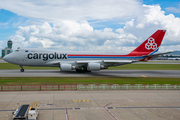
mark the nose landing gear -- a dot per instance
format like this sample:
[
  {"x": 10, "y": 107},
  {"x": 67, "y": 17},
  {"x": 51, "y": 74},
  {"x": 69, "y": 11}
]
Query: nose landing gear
[{"x": 22, "y": 70}]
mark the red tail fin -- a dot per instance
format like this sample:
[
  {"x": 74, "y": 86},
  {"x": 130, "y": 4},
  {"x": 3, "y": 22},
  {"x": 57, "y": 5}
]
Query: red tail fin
[{"x": 149, "y": 45}]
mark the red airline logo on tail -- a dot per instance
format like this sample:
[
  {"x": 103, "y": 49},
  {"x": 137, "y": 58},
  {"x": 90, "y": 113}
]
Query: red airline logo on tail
[{"x": 151, "y": 44}]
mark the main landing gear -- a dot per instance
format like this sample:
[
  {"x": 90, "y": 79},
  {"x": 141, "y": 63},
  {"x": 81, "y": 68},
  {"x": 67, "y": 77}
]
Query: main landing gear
[
  {"x": 82, "y": 70},
  {"x": 22, "y": 70}
]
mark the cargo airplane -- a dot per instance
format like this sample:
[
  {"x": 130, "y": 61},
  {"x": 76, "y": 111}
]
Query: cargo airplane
[{"x": 85, "y": 61}]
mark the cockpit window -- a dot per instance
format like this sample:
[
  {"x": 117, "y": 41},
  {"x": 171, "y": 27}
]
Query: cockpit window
[{"x": 16, "y": 50}]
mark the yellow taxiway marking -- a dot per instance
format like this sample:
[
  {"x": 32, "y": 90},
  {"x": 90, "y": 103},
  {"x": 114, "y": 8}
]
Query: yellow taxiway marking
[
  {"x": 81, "y": 100},
  {"x": 143, "y": 76}
]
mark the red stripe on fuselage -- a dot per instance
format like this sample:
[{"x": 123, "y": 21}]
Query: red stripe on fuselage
[
  {"x": 99, "y": 55},
  {"x": 128, "y": 55}
]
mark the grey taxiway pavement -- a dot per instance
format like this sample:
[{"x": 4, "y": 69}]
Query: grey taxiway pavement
[
  {"x": 102, "y": 73},
  {"x": 96, "y": 105}
]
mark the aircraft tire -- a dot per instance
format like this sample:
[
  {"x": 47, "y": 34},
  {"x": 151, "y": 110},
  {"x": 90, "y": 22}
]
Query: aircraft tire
[
  {"x": 82, "y": 71},
  {"x": 22, "y": 70},
  {"x": 79, "y": 71}
]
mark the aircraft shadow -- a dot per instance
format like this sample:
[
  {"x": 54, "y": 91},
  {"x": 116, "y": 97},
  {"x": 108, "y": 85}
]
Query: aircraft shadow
[{"x": 93, "y": 74}]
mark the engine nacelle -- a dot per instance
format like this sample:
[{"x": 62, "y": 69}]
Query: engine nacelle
[
  {"x": 65, "y": 67},
  {"x": 93, "y": 66}
]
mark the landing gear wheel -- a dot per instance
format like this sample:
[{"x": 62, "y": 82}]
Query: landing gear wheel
[
  {"x": 82, "y": 70},
  {"x": 79, "y": 70},
  {"x": 22, "y": 70}
]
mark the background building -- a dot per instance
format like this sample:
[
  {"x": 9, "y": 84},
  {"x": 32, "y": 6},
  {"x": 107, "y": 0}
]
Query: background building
[{"x": 8, "y": 49}]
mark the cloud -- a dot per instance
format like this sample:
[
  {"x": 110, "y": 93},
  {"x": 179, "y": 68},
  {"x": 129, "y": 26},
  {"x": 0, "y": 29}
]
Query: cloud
[
  {"x": 66, "y": 26},
  {"x": 56, "y": 10},
  {"x": 2, "y": 43},
  {"x": 62, "y": 35},
  {"x": 74, "y": 35},
  {"x": 173, "y": 9},
  {"x": 153, "y": 19}
]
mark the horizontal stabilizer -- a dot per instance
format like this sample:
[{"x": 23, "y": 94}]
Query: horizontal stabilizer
[
  {"x": 152, "y": 56},
  {"x": 157, "y": 54}
]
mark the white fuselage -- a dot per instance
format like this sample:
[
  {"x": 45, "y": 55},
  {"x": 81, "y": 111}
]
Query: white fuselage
[{"x": 41, "y": 57}]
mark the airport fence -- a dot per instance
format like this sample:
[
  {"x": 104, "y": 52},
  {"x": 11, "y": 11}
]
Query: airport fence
[
  {"x": 37, "y": 87},
  {"x": 128, "y": 87},
  {"x": 90, "y": 87}
]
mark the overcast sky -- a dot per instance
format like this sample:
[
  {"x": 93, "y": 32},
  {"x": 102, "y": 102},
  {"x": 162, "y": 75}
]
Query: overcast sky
[{"x": 99, "y": 25}]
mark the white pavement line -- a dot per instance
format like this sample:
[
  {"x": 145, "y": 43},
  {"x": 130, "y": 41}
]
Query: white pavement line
[
  {"x": 111, "y": 113},
  {"x": 67, "y": 117}
]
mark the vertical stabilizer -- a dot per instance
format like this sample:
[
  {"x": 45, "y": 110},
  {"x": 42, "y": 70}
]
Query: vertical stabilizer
[{"x": 150, "y": 45}]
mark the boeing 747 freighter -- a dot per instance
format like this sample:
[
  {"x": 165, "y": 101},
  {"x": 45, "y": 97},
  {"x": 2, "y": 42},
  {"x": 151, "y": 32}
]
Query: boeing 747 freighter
[{"x": 85, "y": 61}]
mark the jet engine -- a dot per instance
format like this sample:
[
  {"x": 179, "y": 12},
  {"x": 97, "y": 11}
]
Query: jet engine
[
  {"x": 93, "y": 66},
  {"x": 65, "y": 67}
]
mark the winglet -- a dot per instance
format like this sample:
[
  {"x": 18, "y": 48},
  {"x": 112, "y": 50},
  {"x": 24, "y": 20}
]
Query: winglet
[{"x": 150, "y": 45}]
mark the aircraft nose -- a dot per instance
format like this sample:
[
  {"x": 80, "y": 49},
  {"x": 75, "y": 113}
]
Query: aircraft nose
[{"x": 7, "y": 58}]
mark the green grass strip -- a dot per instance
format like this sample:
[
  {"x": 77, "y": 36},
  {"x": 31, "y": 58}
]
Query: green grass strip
[
  {"x": 84, "y": 80},
  {"x": 12, "y": 66}
]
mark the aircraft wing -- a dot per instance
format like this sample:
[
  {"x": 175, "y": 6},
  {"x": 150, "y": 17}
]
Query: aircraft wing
[
  {"x": 95, "y": 61},
  {"x": 108, "y": 61}
]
